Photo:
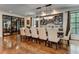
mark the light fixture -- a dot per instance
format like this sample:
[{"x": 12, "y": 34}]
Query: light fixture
[
  {"x": 48, "y": 5},
  {"x": 48, "y": 9},
  {"x": 44, "y": 12},
  {"x": 38, "y": 11},
  {"x": 54, "y": 11},
  {"x": 49, "y": 17}
]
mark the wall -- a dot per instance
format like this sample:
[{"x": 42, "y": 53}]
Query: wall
[
  {"x": 64, "y": 22},
  {"x": 55, "y": 11},
  {"x": 65, "y": 17},
  {"x": 1, "y": 30}
]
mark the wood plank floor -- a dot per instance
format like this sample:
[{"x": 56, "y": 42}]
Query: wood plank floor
[{"x": 29, "y": 47}]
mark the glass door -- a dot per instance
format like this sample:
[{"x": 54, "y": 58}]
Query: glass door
[
  {"x": 6, "y": 25},
  {"x": 14, "y": 25}
]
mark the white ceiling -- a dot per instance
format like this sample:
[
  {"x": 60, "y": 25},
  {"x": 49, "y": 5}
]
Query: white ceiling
[{"x": 26, "y": 9}]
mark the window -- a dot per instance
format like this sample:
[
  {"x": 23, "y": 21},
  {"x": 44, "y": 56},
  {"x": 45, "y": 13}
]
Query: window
[{"x": 74, "y": 23}]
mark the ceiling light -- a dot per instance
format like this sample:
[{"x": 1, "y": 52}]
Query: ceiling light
[
  {"x": 48, "y": 5},
  {"x": 43, "y": 14},
  {"x": 38, "y": 8},
  {"x": 55, "y": 11}
]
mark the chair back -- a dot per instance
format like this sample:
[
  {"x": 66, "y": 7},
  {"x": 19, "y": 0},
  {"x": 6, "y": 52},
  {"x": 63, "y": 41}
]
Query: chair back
[
  {"x": 52, "y": 35},
  {"x": 69, "y": 34},
  {"x": 27, "y": 32},
  {"x": 22, "y": 31},
  {"x": 34, "y": 32},
  {"x": 42, "y": 33}
]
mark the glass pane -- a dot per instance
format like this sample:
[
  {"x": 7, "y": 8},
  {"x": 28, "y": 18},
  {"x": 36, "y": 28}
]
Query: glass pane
[
  {"x": 77, "y": 25},
  {"x": 73, "y": 31},
  {"x": 77, "y": 19},
  {"x": 77, "y": 14},
  {"x": 72, "y": 19},
  {"x": 78, "y": 30},
  {"x": 73, "y": 15},
  {"x": 73, "y": 25}
]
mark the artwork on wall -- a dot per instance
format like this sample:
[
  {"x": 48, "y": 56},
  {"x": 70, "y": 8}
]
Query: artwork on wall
[
  {"x": 56, "y": 19},
  {"x": 28, "y": 21}
]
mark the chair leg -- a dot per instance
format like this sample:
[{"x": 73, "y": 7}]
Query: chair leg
[
  {"x": 56, "y": 46},
  {"x": 48, "y": 44},
  {"x": 51, "y": 44},
  {"x": 33, "y": 39},
  {"x": 39, "y": 41},
  {"x": 36, "y": 41},
  {"x": 68, "y": 42},
  {"x": 26, "y": 38},
  {"x": 21, "y": 38},
  {"x": 45, "y": 43},
  {"x": 61, "y": 43}
]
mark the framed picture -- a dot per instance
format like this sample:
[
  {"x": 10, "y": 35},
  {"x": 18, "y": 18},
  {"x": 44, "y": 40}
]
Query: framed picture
[{"x": 29, "y": 21}]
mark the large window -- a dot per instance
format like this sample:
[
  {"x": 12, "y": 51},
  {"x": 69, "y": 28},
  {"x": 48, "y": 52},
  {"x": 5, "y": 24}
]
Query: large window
[{"x": 74, "y": 23}]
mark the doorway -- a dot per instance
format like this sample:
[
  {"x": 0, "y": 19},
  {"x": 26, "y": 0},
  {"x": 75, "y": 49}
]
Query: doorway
[{"x": 11, "y": 26}]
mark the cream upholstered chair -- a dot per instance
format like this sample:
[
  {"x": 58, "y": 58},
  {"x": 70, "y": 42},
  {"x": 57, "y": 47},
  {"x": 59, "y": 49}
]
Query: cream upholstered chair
[
  {"x": 22, "y": 33},
  {"x": 27, "y": 33},
  {"x": 42, "y": 34},
  {"x": 66, "y": 39},
  {"x": 34, "y": 33},
  {"x": 53, "y": 36}
]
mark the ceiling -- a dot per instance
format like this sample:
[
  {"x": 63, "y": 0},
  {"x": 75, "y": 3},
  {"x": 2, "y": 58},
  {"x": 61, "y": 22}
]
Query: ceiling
[{"x": 29, "y": 9}]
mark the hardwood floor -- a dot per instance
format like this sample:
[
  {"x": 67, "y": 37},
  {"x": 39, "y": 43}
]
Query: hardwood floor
[{"x": 29, "y": 47}]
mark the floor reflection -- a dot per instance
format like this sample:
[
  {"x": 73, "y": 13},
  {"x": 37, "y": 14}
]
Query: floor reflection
[
  {"x": 74, "y": 47},
  {"x": 28, "y": 47}
]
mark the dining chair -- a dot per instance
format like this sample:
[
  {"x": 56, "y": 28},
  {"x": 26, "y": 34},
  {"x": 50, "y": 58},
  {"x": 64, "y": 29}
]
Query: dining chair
[
  {"x": 34, "y": 33},
  {"x": 28, "y": 33},
  {"x": 22, "y": 33},
  {"x": 53, "y": 36},
  {"x": 66, "y": 39},
  {"x": 42, "y": 35}
]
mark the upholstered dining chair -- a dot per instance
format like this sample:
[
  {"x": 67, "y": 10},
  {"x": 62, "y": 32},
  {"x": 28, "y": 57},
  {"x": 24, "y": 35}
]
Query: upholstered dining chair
[
  {"x": 42, "y": 34},
  {"x": 53, "y": 36},
  {"x": 27, "y": 33},
  {"x": 22, "y": 33},
  {"x": 34, "y": 33},
  {"x": 65, "y": 39}
]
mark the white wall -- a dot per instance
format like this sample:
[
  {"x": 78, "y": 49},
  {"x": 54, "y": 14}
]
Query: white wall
[
  {"x": 1, "y": 31},
  {"x": 65, "y": 16},
  {"x": 64, "y": 11}
]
